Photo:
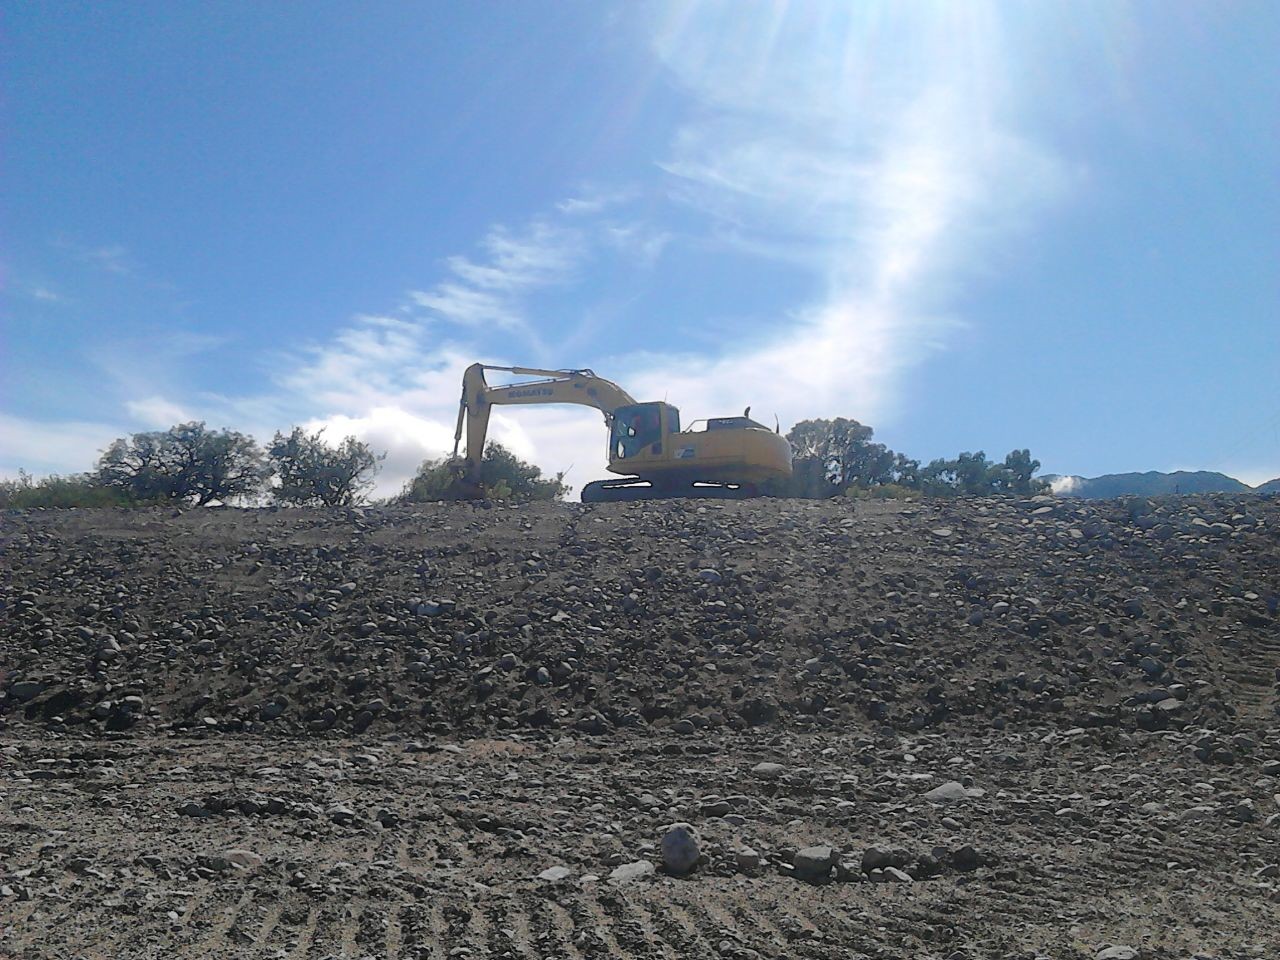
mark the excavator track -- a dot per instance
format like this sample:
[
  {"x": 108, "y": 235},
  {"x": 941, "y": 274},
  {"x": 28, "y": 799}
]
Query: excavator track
[{"x": 630, "y": 491}]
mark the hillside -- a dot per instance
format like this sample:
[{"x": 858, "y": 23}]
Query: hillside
[
  {"x": 568, "y": 616},
  {"x": 972, "y": 728},
  {"x": 1150, "y": 484}
]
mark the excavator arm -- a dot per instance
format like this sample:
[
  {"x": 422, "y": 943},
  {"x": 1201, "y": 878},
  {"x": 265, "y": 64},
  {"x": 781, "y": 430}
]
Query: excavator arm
[{"x": 554, "y": 386}]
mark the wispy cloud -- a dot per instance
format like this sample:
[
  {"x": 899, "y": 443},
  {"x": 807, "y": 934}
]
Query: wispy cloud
[
  {"x": 139, "y": 366},
  {"x": 113, "y": 258},
  {"x": 468, "y": 307},
  {"x": 156, "y": 412},
  {"x": 871, "y": 144},
  {"x": 120, "y": 261},
  {"x": 490, "y": 291},
  {"x": 47, "y": 295},
  {"x": 358, "y": 366},
  {"x": 595, "y": 200},
  {"x": 640, "y": 241},
  {"x": 541, "y": 255}
]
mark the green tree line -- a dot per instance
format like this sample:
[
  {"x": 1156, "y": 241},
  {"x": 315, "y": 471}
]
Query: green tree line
[
  {"x": 192, "y": 464},
  {"x": 839, "y": 457}
]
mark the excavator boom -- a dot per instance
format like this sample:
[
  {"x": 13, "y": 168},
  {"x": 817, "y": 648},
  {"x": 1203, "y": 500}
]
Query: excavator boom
[{"x": 555, "y": 386}]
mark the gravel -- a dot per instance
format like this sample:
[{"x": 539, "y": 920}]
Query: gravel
[{"x": 373, "y": 732}]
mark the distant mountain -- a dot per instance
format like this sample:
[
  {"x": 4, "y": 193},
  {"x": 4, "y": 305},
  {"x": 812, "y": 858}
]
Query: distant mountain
[
  {"x": 1271, "y": 486},
  {"x": 1150, "y": 484}
]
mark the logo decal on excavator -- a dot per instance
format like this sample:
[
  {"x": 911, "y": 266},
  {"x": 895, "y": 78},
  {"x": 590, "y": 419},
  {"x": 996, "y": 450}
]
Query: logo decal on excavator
[{"x": 533, "y": 392}]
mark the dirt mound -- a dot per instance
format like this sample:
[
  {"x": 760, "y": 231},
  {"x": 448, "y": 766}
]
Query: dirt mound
[
  {"x": 696, "y": 616},
  {"x": 1017, "y": 729}
]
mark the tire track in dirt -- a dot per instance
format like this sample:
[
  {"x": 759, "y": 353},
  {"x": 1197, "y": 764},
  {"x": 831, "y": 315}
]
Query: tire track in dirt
[
  {"x": 756, "y": 920},
  {"x": 703, "y": 919},
  {"x": 439, "y": 928},
  {"x": 681, "y": 931},
  {"x": 1253, "y": 672},
  {"x": 511, "y": 919},
  {"x": 196, "y": 904},
  {"x": 409, "y": 925},
  {"x": 717, "y": 914},
  {"x": 591, "y": 919},
  {"x": 270, "y": 920},
  {"x": 563, "y": 930},
  {"x": 478, "y": 929},
  {"x": 306, "y": 934},
  {"x": 629, "y": 916},
  {"x": 501, "y": 936},
  {"x": 617, "y": 940},
  {"x": 392, "y": 936},
  {"x": 352, "y": 915}
]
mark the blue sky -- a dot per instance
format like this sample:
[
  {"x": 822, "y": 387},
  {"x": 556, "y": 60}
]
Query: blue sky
[{"x": 970, "y": 225}]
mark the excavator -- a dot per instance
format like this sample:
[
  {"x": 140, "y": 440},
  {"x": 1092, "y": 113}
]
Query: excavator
[{"x": 724, "y": 458}]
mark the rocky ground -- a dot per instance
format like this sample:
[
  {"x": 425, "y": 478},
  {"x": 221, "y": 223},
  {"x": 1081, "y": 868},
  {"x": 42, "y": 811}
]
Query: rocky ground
[{"x": 1001, "y": 728}]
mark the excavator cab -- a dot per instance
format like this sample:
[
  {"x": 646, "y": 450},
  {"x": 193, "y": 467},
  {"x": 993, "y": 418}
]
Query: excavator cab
[{"x": 639, "y": 429}]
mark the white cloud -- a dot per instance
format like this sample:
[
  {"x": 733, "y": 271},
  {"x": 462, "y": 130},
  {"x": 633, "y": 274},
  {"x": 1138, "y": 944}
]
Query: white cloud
[
  {"x": 406, "y": 438},
  {"x": 565, "y": 439},
  {"x": 1256, "y": 477},
  {"x": 148, "y": 365},
  {"x": 47, "y": 295},
  {"x": 1065, "y": 486},
  {"x": 42, "y": 447},
  {"x": 156, "y": 412},
  {"x": 558, "y": 439}
]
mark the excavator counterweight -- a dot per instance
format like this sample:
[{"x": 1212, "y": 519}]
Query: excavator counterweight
[{"x": 720, "y": 458}]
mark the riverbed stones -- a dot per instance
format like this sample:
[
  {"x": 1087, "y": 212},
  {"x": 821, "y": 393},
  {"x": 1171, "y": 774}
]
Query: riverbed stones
[
  {"x": 680, "y": 848},
  {"x": 814, "y": 864}
]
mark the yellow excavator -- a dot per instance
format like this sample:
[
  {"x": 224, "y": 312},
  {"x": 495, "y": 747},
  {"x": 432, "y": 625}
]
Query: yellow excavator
[{"x": 725, "y": 458}]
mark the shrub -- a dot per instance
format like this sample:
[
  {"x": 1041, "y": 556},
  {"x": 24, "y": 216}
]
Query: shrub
[
  {"x": 503, "y": 476},
  {"x": 309, "y": 472},
  {"x": 78, "y": 490}
]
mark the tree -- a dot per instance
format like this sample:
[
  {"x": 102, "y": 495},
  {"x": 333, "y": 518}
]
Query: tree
[
  {"x": 503, "y": 476},
  {"x": 906, "y": 471},
  {"x": 971, "y": 474},
  {"x": 808, "y": 481},
  {"x": 939, "y": 478},
  {"x": 186, "y": 462},
  {"x": 836, "y": 445},
  {"x": 309, "y": 472},
  {"x": 833, "y": 455},
  {"x": 1018, "y": 472}
]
